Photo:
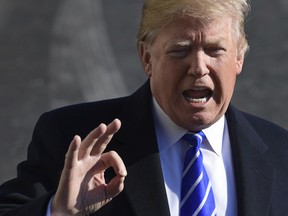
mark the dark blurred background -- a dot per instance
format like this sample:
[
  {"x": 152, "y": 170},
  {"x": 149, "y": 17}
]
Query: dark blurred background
[{"x": 58, "y": 52}]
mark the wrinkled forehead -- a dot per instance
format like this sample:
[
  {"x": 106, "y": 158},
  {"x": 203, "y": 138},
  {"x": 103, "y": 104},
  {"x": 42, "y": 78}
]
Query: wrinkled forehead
[{"x": 190, "y": 29}]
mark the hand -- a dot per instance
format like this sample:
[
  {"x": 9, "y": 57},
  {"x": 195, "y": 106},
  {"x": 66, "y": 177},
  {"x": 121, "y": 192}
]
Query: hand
[{"x": 82, "y": 189}]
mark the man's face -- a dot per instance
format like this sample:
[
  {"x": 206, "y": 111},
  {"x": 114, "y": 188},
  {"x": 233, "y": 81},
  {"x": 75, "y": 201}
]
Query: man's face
[{"x": 193, "y": 69}]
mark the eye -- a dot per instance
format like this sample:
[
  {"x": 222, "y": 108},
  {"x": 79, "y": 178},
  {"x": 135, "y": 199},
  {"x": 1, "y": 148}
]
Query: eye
[
  {"x": 179, "y": 52},
  {"x": 215, "y": 51}
]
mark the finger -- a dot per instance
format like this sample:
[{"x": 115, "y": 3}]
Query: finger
[
  {"x": 90, "y": 140},
  {"x": 71, "y": 157},
  {"x": 114, "y": 187},
  {"x": 105, "y": 138},
  {"x": 116, "y": 184},
  {"x": 111, "y": 159}
]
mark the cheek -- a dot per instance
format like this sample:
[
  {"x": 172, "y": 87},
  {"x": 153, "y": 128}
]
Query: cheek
[
  {"x": 166, "y": 81},
  {"x": 166, "y": 72},
  {"x": 224, "y": 81}
]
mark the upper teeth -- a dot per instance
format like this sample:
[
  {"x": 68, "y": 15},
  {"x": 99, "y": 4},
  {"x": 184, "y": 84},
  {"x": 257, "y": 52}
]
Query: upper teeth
[{"x": 197, "y": 100}]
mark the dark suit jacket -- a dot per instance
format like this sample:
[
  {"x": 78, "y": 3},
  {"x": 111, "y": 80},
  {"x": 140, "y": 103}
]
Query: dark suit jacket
[{"x": 260, "y": 155}]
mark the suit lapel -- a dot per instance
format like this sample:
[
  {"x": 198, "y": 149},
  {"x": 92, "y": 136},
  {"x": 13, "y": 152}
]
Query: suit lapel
[
  {"x": 137, "y": 146},
  {"x": 253, "y": 173}
]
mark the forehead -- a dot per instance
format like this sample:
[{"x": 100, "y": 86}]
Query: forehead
[{"x": 188, "y": 28}]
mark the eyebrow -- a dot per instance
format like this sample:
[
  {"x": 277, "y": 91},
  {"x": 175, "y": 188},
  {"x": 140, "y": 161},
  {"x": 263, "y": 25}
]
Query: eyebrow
[
  {"x": 187, "y": 42},
  {"x": 183, "y": 43},
  {"x": 179, "y": 43},
  {"x": 216, "y": 40}
]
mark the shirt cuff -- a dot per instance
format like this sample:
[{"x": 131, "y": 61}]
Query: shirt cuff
[{"x": 49, "y": 206}]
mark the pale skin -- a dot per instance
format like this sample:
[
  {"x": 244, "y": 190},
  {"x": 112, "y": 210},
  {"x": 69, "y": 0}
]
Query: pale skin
[{"x": 82, "y": 188}]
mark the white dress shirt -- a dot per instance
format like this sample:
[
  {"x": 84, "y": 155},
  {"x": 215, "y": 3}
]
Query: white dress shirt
[{"x": 217, "y": 160}]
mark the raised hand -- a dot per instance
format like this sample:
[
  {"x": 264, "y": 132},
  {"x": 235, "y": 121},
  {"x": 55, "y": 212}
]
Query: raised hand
[{"x": 82, "y": 188}]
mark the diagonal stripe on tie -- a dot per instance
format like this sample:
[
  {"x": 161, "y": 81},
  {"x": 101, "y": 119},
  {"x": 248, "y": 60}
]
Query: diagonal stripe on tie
[
  {"x": 197, "y": 197},
  {"x": 191, "y": 190}
]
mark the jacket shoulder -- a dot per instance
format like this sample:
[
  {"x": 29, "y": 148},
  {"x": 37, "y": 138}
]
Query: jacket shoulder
[
  {"x": 82, "y": 109},
  {"x": 85, "y": 113},
  {"x": 267, "y": 128},
  {"x": 274, "y": 136}
]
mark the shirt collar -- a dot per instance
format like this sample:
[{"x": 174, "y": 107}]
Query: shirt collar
[
  {"x": 214, "y": 135},
  {"x": 168, "y": 133}
]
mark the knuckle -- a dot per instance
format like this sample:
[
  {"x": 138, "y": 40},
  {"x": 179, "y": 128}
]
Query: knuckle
[{"x": 113, "y": 154}]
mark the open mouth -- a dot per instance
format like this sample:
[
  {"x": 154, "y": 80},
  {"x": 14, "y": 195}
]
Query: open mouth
[{"x": 198, "y": 96}]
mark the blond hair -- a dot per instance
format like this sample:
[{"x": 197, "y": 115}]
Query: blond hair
[{"x": 157, "y": 14}]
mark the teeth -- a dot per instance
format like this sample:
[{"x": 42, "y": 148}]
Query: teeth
[{"x": 197, "y": 100}]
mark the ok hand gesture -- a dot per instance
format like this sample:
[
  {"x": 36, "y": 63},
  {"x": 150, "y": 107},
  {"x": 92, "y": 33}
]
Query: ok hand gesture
[{"x": 82, "y": 188}]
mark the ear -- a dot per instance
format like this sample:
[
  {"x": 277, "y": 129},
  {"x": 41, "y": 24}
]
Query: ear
[
  {"x": 239, "y": 63},
  {"x": 145, "y": 57}
]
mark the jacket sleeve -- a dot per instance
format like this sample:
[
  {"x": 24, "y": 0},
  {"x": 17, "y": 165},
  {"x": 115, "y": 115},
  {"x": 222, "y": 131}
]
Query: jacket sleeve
[{"x": 37, "y": 177}]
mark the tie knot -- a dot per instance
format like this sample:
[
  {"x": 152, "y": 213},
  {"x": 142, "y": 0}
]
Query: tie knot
[{"x": 194, "y": 139}]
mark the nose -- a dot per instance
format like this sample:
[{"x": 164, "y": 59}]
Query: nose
[{"x": 198, "y": 65}]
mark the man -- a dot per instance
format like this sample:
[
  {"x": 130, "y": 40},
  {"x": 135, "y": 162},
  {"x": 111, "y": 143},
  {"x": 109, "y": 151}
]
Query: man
[{"x": 192, "y": 52}]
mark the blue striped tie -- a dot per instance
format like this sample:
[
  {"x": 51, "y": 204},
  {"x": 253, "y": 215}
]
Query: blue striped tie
[{"x": 197, "y": 197}]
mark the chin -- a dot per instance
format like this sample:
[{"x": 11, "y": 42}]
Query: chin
[{"x": 200, "y": 121}]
